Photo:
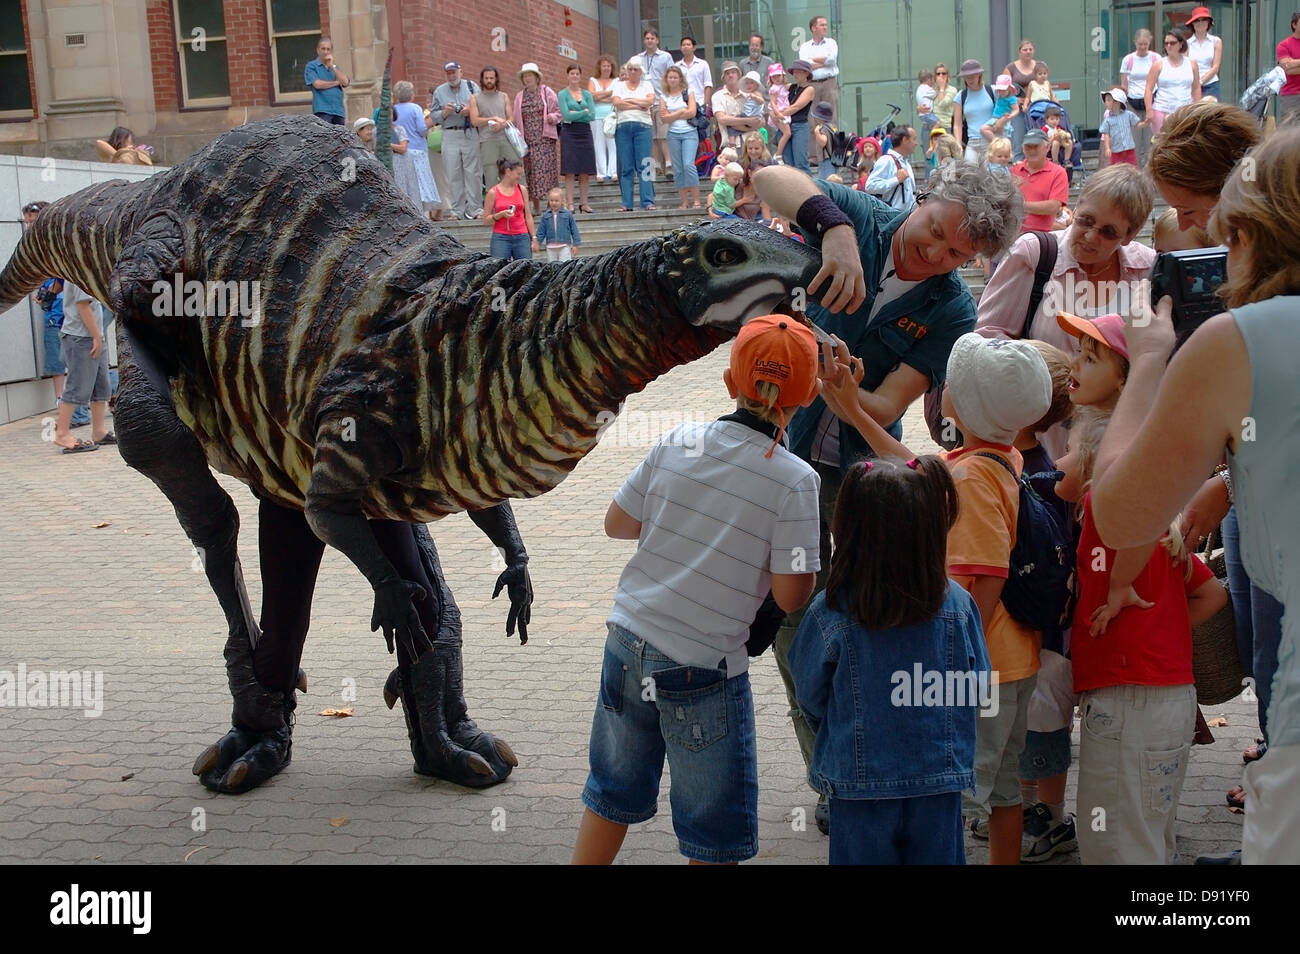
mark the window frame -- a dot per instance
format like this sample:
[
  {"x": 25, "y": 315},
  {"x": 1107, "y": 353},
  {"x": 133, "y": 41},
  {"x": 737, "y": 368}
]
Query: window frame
[
  {"x": 280, "y": 97},
  {"x": 182, "y": 84},
  {"x": 28, "y": 113}
]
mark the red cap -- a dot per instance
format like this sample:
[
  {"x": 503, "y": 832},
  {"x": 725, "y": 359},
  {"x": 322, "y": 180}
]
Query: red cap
[
  {"x": 1107, "y": 330},
  {"x": 780, "y": 350}
]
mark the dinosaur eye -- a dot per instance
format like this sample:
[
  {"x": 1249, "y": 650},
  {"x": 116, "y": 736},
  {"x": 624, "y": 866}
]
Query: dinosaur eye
[{"x": 725, "y": 255}]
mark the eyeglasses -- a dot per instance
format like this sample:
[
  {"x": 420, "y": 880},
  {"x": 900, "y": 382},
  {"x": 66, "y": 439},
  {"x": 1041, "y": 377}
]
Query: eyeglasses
[
  {"x": 1171, "y": 43},
  {"x": 1087, "y": 223}
]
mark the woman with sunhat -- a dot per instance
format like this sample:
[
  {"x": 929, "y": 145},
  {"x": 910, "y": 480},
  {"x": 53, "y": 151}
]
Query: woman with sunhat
[
  {"x": 538, "y": 111},
  {"x": 1206, "y": 49},
  {"x": 974, "y": 106},
  {"x": 801, "y": 93}
]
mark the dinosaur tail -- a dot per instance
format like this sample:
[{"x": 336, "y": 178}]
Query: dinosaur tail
[{"x": 77, "y": 238}]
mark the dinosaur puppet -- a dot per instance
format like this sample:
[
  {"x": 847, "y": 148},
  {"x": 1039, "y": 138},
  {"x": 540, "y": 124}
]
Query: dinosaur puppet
[{"x": 384, "y": 376}]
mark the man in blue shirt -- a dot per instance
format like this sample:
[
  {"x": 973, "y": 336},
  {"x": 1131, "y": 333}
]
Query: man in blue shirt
[
  {"x": 896, "y": 299},
  {"x": 326, "y": 82}
]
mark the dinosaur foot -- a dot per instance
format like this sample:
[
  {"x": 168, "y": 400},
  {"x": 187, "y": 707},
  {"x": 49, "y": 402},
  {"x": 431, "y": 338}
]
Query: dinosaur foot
[
  {"x": 445, "y": 742},
  {"x": 245, "y": 757}
]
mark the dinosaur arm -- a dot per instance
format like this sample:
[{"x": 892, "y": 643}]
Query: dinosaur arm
[{"x": 499, "y": 524}]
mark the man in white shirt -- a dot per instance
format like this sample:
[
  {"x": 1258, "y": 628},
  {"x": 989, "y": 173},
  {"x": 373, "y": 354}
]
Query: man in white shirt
[
  {"x": 699, "y": 78},
  {"x": 823, "y": 53},
  {"x": 728, "y": 106},
  {"x": 891, "y": 178},
  {"x": 654, "y": 62}
]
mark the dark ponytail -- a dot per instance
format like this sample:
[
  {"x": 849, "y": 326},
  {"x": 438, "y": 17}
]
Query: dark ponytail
[{"x": 504, "y": 164}]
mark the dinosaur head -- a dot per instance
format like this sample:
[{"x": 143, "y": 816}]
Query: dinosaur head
[{"x": 727, "y": 272}]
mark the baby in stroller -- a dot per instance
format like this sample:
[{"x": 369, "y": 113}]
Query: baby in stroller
[{"x": 1062, "y": 148}]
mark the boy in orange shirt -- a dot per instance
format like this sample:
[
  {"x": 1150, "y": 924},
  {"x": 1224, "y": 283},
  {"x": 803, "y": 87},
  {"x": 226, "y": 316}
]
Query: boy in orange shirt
[{"x": 996, "y": 387}]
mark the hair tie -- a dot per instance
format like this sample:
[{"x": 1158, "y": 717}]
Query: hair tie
[
  {"x": 868, "y": 463},
  {"x": 914, "y": 464}
]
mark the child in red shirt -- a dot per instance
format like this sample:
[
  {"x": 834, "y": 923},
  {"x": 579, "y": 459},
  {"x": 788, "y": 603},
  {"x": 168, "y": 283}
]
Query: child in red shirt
[{"x": 1132, "y": 660}]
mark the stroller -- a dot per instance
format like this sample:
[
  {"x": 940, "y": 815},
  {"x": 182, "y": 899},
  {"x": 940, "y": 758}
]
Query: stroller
[
  {"x": 1075, "y": 163},
  {"x": 1259, "y": 95}
]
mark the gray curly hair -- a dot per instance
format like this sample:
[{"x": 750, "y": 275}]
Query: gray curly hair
[
  {"x": 992, "y": 200},
  {"x": 403, "y": 91}
]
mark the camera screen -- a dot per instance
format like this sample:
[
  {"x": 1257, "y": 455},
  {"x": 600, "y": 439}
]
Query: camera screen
[{"x": 1201, "y": 278}]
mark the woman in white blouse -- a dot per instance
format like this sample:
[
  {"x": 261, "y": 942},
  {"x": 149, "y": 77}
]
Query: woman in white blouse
[
  {"x": 1206, "y": 50},
  {"x": 1173, "y": 82}
]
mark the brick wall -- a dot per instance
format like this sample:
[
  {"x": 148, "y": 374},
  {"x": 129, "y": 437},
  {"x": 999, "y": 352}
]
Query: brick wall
[
  {"x": 31, "y": 74},
  {"x": 462, "y": 31},
  {"x": 247, "y": 58},
  {"x": 162, "y": 54}
]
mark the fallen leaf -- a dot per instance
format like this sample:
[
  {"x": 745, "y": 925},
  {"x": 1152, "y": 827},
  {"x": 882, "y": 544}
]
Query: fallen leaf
[
  {"x": 128, "y": 775},
  {"x": 339, "y": 822},
  {"x": 337, "y": 713},
  {"x": 1237, "y": 811},
  {"x": 101, "y": 526},
  {"x": 1218, "y": 722},
  {"x": 194, "y": 851}
]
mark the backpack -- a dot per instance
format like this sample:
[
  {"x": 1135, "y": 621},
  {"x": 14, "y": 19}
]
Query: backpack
[
  {"x": 965, "y": 129},
  {"x": 1047, "y": 249},
  {"x": 1038, "y": 587}
]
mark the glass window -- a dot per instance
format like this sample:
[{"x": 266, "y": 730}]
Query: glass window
[
  {"x": 15, "y": 90},
  {"x": 294, "y": 26},
  {"x": 201, "y": 44}
]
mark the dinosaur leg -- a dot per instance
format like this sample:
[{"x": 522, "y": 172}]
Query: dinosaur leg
[
  {"x": 153, "y": 440},
  {"x": 444, "y": 740},
  {"x": 262, "y": 678}
]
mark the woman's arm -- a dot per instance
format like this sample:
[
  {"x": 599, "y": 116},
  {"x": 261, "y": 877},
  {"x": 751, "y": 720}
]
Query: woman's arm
[
  {"x": 956, "y": 122},
  {"x": 571, "y": 114},
  {"x": 1196, "y": 82},
  {"x": 1150, "y": 93},
  {"x": 1213, "y": 74},
  {"x": 691, "y": 108},
  {"x": 597, "y": 94},
  {"x": 805, "y": 97},
  {"x": 528, "y": 216},
  {"x": 399, "y": 147},
  {"x": 1206, "y": 600},
  {"x": 1151, "y": 464},
  {"x": 489, "y": 202},
  {"x": 1005, "y": 298}
]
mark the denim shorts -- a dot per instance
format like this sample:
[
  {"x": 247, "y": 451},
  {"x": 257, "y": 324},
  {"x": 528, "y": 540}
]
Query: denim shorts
[
  {"x": 650, "y": 707},
  {"x": 53, "y": 351},
  {"x": 1046, "y": 754}
]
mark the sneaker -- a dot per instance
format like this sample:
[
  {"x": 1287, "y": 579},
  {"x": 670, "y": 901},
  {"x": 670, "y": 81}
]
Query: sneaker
[
  {"x": 1047, "y": 838},
  {"x": 979, "y": 828}
]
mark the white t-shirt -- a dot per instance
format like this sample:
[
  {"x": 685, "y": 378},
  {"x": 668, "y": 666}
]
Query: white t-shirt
[
  {"x": 925, "y": 94},
  {"x": 643, "y": 91},
  {"x": 1174, "y": 87},
  {"x": 718, "y": 518},
  {"x": 1136, "y": 68}
]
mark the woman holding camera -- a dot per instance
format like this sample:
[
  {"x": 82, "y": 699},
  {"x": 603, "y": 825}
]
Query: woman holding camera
[
  {"x": 506, "y": 209},
  {"x": 1232, "y": 387}
]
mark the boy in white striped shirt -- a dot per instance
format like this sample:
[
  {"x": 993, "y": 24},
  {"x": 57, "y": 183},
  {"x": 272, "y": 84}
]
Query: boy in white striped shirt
[{"x": 722, "y": 512}]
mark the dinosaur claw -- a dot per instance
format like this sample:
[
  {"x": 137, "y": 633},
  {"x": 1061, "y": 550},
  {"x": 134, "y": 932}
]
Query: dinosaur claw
[
  {"x": 507, "y": 754},
  {"x": 393, "y": 688},
  {"x": 207, "y": 761},
  {"x": 301, "y": 685},
  {"x": 238, "y": 772},
  {"x": 478, "y": 765}
]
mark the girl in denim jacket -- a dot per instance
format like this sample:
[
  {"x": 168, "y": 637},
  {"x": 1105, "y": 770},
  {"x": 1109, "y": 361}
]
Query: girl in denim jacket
[{"x": 889, "y": 665}]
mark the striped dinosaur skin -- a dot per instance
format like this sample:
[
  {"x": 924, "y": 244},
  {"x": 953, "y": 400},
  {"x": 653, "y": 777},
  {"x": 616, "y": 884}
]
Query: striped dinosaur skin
[{"x": 475, "y": 379}]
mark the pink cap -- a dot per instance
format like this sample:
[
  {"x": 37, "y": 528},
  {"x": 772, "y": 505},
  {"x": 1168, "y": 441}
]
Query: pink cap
[
  {"x": 1107, "y": 330},
  {"x": 1003, "y": 81}
]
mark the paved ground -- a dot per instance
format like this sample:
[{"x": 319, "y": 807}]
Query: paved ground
[{"x": 95, "y": 574}]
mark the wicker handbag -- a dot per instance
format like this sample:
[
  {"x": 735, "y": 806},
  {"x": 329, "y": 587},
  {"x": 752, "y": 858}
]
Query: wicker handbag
[{"x": 1216, "y": 667}]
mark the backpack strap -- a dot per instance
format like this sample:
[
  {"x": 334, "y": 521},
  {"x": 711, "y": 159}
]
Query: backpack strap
[
  {"x": 1047, "y": 250},
  {"x": 1001, "y": 460}
]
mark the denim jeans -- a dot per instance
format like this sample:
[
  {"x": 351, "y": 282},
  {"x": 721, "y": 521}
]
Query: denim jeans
[
  {"x": 634, "y": 141},
  {"x": 682, "y": 147},
  {"x": 511, "y": 247},
  {"x": 650, "y": 708},
  {"x": 796, "y": 150},
  {"x": 1258, "y": 617},
  {"x": 925, "y": 830}
]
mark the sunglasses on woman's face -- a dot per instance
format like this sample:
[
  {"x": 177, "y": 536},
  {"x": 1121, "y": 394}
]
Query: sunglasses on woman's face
[
  {"x": 1171, "y": 42},
  {"x": 941, "y": 73}
]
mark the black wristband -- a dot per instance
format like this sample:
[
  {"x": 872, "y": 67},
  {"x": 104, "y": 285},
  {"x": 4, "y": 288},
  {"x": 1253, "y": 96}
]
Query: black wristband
[{"x": 819, "y": 213}]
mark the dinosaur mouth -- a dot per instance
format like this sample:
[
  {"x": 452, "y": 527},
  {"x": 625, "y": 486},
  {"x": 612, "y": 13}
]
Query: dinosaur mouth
[{"x": 766, "y": 297}]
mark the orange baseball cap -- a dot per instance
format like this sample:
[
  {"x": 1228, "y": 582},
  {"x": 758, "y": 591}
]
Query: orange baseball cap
[{"x": 780, "y": 350}]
